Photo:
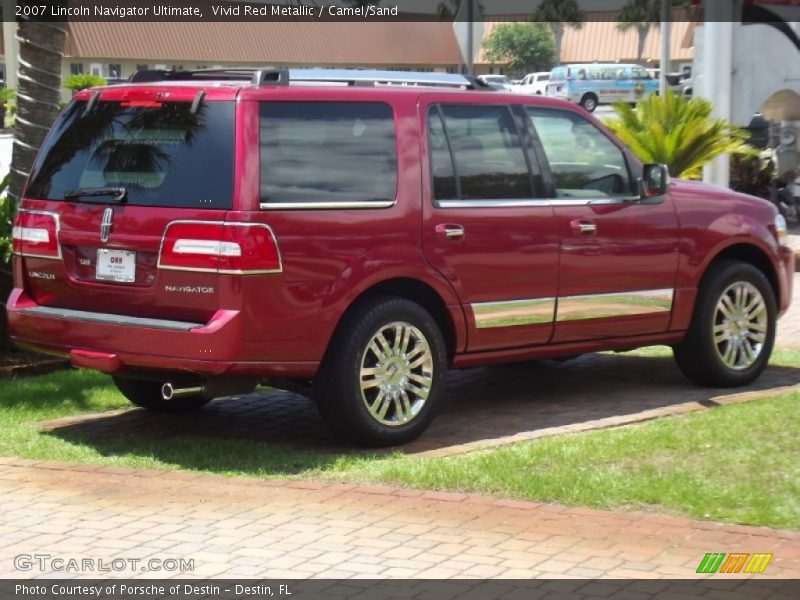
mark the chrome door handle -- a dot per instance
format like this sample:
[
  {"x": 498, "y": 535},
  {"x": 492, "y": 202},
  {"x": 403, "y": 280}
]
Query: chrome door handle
[
  {"x": 450, "y": 230},
  {"x": 583, "y": 227}
]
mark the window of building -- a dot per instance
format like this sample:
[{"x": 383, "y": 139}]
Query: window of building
[
  {"x": 75, "y": 68},
  {"x": 113, "y": 71}
]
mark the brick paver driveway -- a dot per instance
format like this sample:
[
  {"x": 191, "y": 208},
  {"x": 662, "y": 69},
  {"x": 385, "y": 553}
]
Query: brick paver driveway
[
  {"x": 250, "y": 528},
  {"x": 483, "y": 406}
]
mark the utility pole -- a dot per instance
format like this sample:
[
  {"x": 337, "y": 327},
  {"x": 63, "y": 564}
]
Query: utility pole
[
  {"x": 470, "y": 38},
  {"x": 717, "y": 72},
  {"x": 666, "y": 23}
]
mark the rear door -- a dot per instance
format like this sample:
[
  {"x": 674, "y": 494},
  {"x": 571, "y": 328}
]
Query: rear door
[
  {"x": 486, "y": 226},
  {"x": 116, "y": 170}
]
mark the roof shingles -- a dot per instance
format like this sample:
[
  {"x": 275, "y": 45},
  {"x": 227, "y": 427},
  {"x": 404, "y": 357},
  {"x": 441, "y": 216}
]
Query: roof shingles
[{"x": 292, "y": 43}]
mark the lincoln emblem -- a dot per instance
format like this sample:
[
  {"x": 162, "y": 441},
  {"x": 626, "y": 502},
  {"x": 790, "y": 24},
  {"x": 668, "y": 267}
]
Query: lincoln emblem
[{"x": 105, "y": 224}]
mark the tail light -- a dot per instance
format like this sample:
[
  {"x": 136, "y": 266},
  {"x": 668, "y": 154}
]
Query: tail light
[
  {"x": 235, "y": 248},
  {"x": 35, "y": 234}
]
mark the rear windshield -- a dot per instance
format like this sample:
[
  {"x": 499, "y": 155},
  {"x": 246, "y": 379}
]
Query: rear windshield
[{"x": 162, "y": 154}]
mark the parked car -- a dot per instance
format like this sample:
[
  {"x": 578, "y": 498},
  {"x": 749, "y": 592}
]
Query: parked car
[
  {"x": 533, "y": 83},
  {"x": 499, "y": 82},
  {"x": 196, "y": 235}
]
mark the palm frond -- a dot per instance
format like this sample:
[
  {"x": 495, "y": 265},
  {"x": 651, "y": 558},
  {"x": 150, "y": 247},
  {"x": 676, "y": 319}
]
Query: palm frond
[{"x": 678, "y": 132}]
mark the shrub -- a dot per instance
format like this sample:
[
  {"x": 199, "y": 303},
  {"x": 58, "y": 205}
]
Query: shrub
[
  {"x": 7, "y": 212},
  {"x": 82, "y": 81},
  {"x": 678, "y": 132}
]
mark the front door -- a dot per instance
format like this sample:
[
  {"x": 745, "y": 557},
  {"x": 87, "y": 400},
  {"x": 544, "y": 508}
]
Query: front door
[
  {"x": 486, "y": 226},
  {"x": 619, "y": 253}
]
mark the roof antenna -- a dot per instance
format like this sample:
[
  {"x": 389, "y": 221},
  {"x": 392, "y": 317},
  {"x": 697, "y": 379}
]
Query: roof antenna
[
  {"x": 198, "y": 99},
  {"x": 90, "y": 104}
]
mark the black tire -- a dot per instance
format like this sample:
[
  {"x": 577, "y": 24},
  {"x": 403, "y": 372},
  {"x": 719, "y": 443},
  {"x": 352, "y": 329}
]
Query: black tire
[
  {"x": 147, "y": 394},
  {"x": 338, "y": 385},
  {"x": 589, "y": 102},
  {"x": 699, "y": 357}
]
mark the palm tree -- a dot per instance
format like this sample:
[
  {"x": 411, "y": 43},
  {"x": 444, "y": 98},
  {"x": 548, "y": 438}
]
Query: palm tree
[
  {"x": 641, "y": 14},
  {"x": 41, "y": 47},
  {"x": 559, "y": 14},
  {"x": 39, "y": 89},
  {"x": 447, "y": 9},
  {"x": 677, "y": 132}
]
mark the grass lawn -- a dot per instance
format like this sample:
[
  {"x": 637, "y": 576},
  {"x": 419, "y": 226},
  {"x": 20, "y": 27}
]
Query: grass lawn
[{"x": 737, "y": 463}]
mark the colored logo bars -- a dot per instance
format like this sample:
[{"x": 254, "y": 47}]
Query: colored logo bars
[{"x": 741, "y": 562}]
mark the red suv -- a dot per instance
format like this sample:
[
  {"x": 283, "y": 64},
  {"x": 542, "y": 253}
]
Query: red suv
[{"x": 198, "y": 233}]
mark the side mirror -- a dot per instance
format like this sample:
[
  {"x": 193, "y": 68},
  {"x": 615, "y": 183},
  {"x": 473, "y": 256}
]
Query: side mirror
[{"x": 655, "y": 180}]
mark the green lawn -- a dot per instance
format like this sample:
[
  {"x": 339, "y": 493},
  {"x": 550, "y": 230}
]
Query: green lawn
[{"x": 737, "y": 463}]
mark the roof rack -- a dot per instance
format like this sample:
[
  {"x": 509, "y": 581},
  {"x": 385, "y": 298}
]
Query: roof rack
[{"x": 271, "y": 76}]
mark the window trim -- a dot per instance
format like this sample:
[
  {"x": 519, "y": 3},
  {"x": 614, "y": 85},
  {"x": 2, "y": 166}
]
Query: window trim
[
  {"x": 437, "y": 107},
  {"x": 342, "y": 205},
  {"x": 533, "y": 201}
]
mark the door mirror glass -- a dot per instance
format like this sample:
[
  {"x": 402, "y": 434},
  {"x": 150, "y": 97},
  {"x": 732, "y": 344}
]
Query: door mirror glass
[{"x": 655, "y": 180}]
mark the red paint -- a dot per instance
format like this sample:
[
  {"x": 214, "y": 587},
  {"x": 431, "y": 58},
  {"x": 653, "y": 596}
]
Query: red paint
[{"x": 280, "y": 324}]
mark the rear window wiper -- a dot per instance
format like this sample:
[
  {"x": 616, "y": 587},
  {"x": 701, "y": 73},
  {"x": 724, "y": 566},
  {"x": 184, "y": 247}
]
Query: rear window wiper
[{"x": 120, "y": 194}]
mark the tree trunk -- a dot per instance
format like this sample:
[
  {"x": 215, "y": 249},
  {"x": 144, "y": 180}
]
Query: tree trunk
[
  {"x": 558, "y": 37},
  {"x": 41, "y": 46},
  {"x": 643, "y": 31}
]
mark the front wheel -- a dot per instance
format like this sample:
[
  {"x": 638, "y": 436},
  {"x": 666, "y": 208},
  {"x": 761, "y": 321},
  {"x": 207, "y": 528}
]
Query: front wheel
[
  {"x": 382, "y": 378},
  {"x": 589, "y": 102},
  {"x": 147, "y": 394},
  {"x": 732, "y": 331}
]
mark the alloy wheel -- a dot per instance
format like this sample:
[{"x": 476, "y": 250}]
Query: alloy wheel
[
  {"x": 740, "y": 325},
  {"x": 396, "y": 374}
]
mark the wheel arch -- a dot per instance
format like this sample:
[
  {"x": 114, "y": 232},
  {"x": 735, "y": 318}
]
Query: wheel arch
[
  {"x": 752, "y": 254},
  {"x": 744, "y": 250},
  {"x": 450, "y": 319}
]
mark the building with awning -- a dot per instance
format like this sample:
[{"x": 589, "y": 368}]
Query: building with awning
[{"x": 115, "y": 50}]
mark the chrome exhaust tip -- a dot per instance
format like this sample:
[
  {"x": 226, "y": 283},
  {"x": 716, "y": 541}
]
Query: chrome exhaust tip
[{"x": 170, "y": 392}]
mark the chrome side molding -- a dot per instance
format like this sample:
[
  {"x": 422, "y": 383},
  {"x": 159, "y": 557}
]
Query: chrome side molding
[
  {"x": 624, "y": 304},
  {"x": 511, "y": 313}
]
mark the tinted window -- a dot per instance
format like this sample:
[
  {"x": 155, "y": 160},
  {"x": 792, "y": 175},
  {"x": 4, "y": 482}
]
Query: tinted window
[
  {"x": 489, "y": 158},
  {"x": 442, "y": 174},
  {"x": 327, "y": 152},
  {"x": 583, "y": 161},
  {"x": 161, "y": 153}
]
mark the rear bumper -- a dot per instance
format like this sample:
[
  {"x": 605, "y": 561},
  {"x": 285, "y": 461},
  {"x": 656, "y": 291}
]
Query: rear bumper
[{"x": 115, "y": 343}]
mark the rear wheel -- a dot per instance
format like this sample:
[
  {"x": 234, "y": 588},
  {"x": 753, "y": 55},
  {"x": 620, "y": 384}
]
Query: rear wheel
[
  {"x": 147, "y": 394},
  {"x": 382, "y": 378},
  {"x": 589, "y": 102},
  {"x": 732, "y": 332}
]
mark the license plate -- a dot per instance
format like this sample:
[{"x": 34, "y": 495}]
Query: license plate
[{"x": 116, "y": 265}]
